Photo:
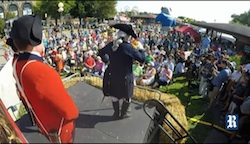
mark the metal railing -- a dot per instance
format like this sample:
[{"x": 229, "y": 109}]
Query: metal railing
[
  {"x": 143, "y": 91},
  {"x": 71, "y": 76},
  {"x": 14, "y": 110},
  {"x": 91, "y": 74},
  {"x": 160, "y": 119}
]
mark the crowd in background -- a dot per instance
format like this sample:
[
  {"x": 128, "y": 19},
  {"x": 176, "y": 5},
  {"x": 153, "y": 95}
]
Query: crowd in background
[
  {"x": 167, "y": 57},
  {"x": 163, "y": 51}
]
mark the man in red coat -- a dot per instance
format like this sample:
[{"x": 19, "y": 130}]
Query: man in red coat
[
  {"x": 15, "y": 57},
  {"x": 39, "y": 85}
]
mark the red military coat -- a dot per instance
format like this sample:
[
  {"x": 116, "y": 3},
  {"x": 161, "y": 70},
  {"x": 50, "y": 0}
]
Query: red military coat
[{"x": 46, "y": 93}]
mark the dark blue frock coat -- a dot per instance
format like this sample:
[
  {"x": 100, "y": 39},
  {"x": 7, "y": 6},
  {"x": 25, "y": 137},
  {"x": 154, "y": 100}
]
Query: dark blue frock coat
[{"x": 118, "y": 78}]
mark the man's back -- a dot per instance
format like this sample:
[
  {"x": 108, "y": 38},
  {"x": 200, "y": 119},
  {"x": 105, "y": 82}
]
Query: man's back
[
  {"x": 41, "y": 88},
  {"x": 221, "y": 77},
  {"x": 121, "y": 60},
  {"x": 45, "y": 92}
]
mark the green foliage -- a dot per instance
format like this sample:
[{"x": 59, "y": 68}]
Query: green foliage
[
  {"x": 181, "y": 17},
  {"x": 240, "y": 60},
  {"x": 106, "y": 9},
  {"x": 187, "y": 20},
  {"x": 245, "y": 60},
  {"x": 2, "y": 26},
  {"x": 243, "y": 18},
  {"x": 51, "y": 7},
  {"x": 97, "y": 9},
  {"x": 237, "y": 59},
  {"x": 22, "y": 111},
  {"x": 9, "y": 15},
  {"x": 78, "y": 10}
]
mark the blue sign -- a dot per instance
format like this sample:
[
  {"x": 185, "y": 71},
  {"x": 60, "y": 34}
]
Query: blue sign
[{"x": 232, "y": 122}]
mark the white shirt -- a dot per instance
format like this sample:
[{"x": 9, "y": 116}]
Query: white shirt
[
  {"x": 171, "y": 66},
  {"x": 62, "y": 41},
  {"x": 64, "y": 55},
  {"x": 157, "y": 51},
  {"x": 247, "y": 67},
  {"x": 89, "y": 52},
  {"x": 163, "y": 75},
  {"x": 180, "y": 67},
  {"x": 235, "y": 76},
  {"x": 35, "y": 53},
  {"x": 141, "y": 40},
  {"x": 158, "y": 41}
]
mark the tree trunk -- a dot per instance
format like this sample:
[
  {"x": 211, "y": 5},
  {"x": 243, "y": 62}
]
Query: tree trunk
[
  {"x": 86, "y": 22},
  {"x": 56, "y": 21},
  {"x": 82, "y": 22}
]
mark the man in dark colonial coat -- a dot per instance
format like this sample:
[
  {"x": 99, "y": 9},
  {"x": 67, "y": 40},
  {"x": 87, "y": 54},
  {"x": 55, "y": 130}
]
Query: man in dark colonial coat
[{"x": 118, "y": 81}]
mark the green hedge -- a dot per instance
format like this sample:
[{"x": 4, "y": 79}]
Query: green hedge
[{"x": 237, "y": 59}]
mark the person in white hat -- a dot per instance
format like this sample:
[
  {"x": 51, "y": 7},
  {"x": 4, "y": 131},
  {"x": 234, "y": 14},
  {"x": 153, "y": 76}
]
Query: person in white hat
[{"x": 149, "y": 76}]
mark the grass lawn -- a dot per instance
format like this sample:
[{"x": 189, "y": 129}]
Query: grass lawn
[{"x": 195, "y": 107}]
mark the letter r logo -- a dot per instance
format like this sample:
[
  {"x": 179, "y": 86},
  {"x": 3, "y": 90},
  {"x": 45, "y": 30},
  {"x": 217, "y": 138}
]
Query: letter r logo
[{"x": 232, "y": 122}]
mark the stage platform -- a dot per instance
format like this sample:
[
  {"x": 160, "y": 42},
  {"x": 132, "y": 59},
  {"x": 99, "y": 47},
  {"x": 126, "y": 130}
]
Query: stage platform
[{"x": 95, "y": 123}]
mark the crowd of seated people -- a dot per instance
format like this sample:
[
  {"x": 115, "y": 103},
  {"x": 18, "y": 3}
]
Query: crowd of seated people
[
  {"x": 220, "y": 81},
  {"x": 148, "y": 76},
  {"x": 165, "y": 60},
  {"x": 165, "y": 77},
  {"x": 76, "y": 51},
  {"x": 236, "y": 101}
]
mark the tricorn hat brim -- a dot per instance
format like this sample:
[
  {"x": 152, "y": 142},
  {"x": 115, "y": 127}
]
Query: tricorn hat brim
[
  {"x": 10, "y": 42},
  {"x": 127, "y": 28}
]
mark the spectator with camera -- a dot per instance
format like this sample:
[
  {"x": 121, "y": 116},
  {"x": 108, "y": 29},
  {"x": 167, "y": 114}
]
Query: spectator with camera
[
  {"x": 165, "y": 77},
  {"x": 206, "y": 75},
  {"x": 233, "y": 80},
  {"x": 238, "y": 95},
  {"x": 218, "y": 80}
]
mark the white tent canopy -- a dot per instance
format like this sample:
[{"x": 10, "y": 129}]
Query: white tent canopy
[{"x": 223, "y": 35}]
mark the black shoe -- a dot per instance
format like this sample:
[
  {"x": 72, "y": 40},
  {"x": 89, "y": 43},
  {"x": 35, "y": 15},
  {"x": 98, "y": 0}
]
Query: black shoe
[
  {"x": 126, "y": 110},
  {"x": 116, "y": 109}
]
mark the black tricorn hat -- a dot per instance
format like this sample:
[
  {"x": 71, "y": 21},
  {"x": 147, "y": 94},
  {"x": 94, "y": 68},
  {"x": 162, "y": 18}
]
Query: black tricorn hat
[
  {"x": 11, "y": 44},
  {"x": 27, "y": 28},
  {"x": 127, "y": 28}
]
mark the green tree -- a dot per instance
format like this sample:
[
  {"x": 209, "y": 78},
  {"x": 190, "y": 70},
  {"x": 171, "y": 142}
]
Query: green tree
[
  {"x": 106, "y": 9},
  {"x": 2, "y": 26},
  {"x": 243, "y": 18},
  {"x": 51, "y": 7},
  {"x": 187, "y": 20},
  {"x": 181, "y": 17},
  {"x": 9, "y": 15},
  {"x": 97, "y": 9}
]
